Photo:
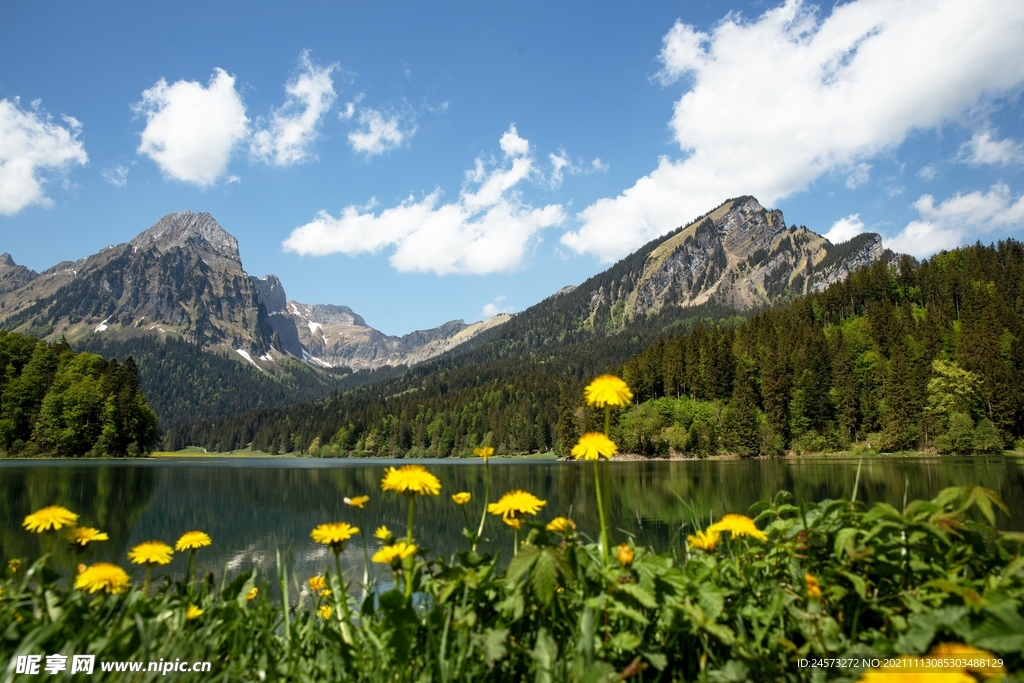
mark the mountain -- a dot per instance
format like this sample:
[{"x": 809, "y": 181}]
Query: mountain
[
  {"x": 740, "y": 255},
  {"x": 512, "y": 385},
  {"x": 332, "y": 336},
  {"x": 183, "y": 278}
]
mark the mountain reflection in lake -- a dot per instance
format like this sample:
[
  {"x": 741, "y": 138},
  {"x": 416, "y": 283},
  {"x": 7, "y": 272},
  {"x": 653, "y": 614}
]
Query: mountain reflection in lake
[{"x": 253, "y": 508}]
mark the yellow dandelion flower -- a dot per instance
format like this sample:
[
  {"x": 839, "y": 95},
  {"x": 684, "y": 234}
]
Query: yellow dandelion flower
[
  {"x": 357, "y": 502},
  {"x": 607, "y": 390},
  {"x": 395, "y": 554},
  {"x": 739, "y": 525},
  {"x": 192, "y": 540},
  {"x": 484, "y": 452},
  {"x": 383, "y": 534},
  {"x": 334, "y": 534},
  {"x": 593, "y": 446},
  {"x": 411, "y": 480},
  {"x": 704, "y": 540},
  {"x": 14, "y": 565},
  {"x": 625, "y": 555},
  {"x": 516, "y": 503},
  {"x": 325, "y": 611},
  {"x": 317, "y": 583},
  {"x": 102, "y": 576},
  {"x": 462, "y": 498},
  {"x": 151, "y": 553},
  {"x": 813, "y": 587},
  {"x": 561, "y": 525},
  {"x": 512, "y": 522},
  {"x": 193, "y": 613},
  {"x": 325, "y": 592},
  {"x": 49, "y": 518},
  {"x": 251, "y": 595},
  {"x": 85, "y": 535}
]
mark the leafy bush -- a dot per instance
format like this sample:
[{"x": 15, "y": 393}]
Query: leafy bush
[{"x": 833, "y": 578}]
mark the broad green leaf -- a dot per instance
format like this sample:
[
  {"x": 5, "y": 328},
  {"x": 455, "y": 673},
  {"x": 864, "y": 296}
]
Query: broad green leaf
[
  {"x": 545, "y": 654},
  {"x": 492, "y": 643},
  {"x": 859, "y": 584},
  {"x": 641, "y": 595},
  {"x": 625, "y": 640}
]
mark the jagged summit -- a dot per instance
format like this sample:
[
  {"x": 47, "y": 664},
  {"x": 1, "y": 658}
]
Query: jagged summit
[
  {"x": 7, "y": 260},
  {"x": 188, "y": 230}
]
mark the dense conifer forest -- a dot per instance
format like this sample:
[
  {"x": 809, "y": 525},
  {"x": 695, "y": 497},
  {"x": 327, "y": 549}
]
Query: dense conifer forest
[
  {"x": 898, "y": 356},
  {"x": 183, "y": 382},
  {"x": 56, "y": 402}
]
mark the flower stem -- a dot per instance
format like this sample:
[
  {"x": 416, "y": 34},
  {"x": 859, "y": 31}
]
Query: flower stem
[
  {"x": 600, "y": 512},
  {"x": 145, "y": 584},
  {"x": 366, "y": 557},
  {"x": 408, "y": 529},
  {"x": 487, "y": 499},
  {"x": 188, "y": 567},
  {"x": 515, "y": 542},
  {"x": 341, "y": 601}
]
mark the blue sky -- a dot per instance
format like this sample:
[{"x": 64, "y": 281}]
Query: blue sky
[{"x": 424, "y": 162}]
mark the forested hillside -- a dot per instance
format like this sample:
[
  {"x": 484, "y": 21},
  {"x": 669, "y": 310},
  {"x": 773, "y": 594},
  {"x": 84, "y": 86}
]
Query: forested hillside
[
  {"x": 915, "y": 355},
  {"x": 56, "y": 402},
  {"x": 185, "y": 383},
  {"x": 909, "y": 357}
]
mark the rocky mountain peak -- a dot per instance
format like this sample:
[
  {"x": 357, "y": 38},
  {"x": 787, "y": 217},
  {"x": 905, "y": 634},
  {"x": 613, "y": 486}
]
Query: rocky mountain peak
[
  {"x": 6, "y": 260},
  {"x": 271, "y": 293},
  {"x": 188, "y": 230}
]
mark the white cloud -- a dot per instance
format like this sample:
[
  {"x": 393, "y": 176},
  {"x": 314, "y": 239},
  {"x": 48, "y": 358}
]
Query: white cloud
[
  {"x": 928, "y": 173},
  {"x": 861, "y": 174},
  {"x": 29, "y": 142},
  {"x": 845, "y": 229},
  {"x": 959, "y": 219},
  {"x": 293, "y": 128},
  {"x": 116, "y": 175},
  {"x": 348, "y": 112},
  {"x": 486, "y": 230},
  {"x": 778, "y": 101},
  {"x": 982, "y": 149},
  {"x": 191, "y": 130},
  {"x": 562, "y": 164},
  {"x": 494, "y": 307},
  {"x": 378, "y": 133}
]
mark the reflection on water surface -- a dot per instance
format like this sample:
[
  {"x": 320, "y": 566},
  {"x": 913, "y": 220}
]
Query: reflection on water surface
[{"x": 252, "y": 508}]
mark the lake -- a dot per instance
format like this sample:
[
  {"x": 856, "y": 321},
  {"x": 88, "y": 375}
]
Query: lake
[{"x": 254, "y": 507}]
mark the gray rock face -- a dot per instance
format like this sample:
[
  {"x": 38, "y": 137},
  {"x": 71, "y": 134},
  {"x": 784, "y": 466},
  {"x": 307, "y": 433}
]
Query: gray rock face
[
  {"x": 198, "y": 232},
  {"x": 13, "y": 276},
  {"x": 741, "y": 255},
  {"x": 337, "y": 336}
]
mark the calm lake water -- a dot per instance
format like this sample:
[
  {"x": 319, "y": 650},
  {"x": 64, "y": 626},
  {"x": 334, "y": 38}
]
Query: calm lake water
[{"x": 254, "y": 507}]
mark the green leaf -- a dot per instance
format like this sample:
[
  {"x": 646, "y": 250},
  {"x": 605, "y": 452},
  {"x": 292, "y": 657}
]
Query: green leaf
[
  {"x": 545, "y": 654},
  {"x": 599, "y": 672},
  {"x": 1002, "y": 631},
  {"x": 711, "y": 600},
  {"x": 845, "y": 540},
  {"x": 492, "y": 642},
  {"x": 548, "y": 568},
  {"x": 638, "y": 593},
  {"x": 859, "y": 584},
  {"x": 521, "y": 564},
  {"x": 732, "y": 672},
  {"x": 658, "y": 660},
  {"x": 625, "y": 640}
]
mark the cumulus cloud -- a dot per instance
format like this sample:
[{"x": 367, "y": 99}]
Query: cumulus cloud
[
  {"x": 845, "y": 229},
  {"x": 191, "y": 130},
  {"x": 982, "y": 149},
  {"x": 30, "y": 141},
  {"x": 116, "y": 175},
  {"x": 487, "y": 229},
  {"x": 286, "y": 138},
  {"x": 562, "y": 164},
  {"x": 861, "y": 174},
  {"x": 378, "y": 133},
  {"x": 775, "y": 102},
  {"x": 959, "y": 219}
]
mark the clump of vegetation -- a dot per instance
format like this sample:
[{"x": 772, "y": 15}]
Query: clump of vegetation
[
  {"x": 744, "y": 598},
  {"x": 55, "y": 402}
]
